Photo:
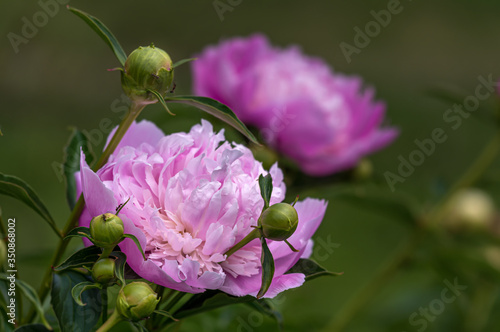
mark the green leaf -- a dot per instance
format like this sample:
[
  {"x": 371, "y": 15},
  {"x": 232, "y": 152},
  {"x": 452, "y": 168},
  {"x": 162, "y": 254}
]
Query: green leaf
[
  {"x": 130, "y": 236},
  {"x": 31, "y": 295},
  {"x": 71, "y": 164},
  {"x": 68, "y": 312},
  {"x": 209, "y": 300},
  {"x": 161, "y": 100},
  {"x": 267, "y": 268},
  {"x": 216, "y": 109},
  {"x": 79, "y": 232},
  {"x": 266, "y": 189},
  {"x": 181, "y": 62},
  {"x": 78, "y": 289},
  {"x": 121, "y": 259},
  {"x": 166, "y": 314},
  {"x": 103, "y": 32},
  {"x": 32, "y": 328},
  {"x": 15, "y": 187},
  {"x": 267, "y": 307},
  {"x": 83, "y": 257},
  {"x": 311, "y": 269}
]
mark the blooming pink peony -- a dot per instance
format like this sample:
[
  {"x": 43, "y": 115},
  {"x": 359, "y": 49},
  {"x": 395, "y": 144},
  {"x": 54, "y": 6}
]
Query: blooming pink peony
[
  {"x": 324, "y": 121},
  {"x": 192, "y": 197}
]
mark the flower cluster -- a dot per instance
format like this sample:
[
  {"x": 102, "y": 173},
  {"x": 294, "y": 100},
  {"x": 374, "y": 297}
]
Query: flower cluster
[
  {"x": 326, "y": 122},
  {"x": 192, "y": 197}
]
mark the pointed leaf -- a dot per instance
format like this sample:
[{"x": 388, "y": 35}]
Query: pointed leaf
[
  {"x": 71, "y": 164},
  {"x": 161, "y": 100},
  {"x": 79, "y": 232},
  {"x": 121, "y": 259},
  {"x": 67, "y": 311},
  {"x": 83, "y": 257},
  {"x": 103, "y": 32},
  {"x": 267, "y": 268},
  {"x": 130, "y": 236},
  {"x": 78, "y": 289},
  {"x": 31, "y": 295},
  {"x": 15, "y": 187},
  {"x": 166, "y": 314},
  {"x": 311, "y": 269},
  {"x": 181, "y": 62},
  {"x": 209, "y": 300},
  {"x": 266, "y": 189},
  {"x": 216, "y": 109}
]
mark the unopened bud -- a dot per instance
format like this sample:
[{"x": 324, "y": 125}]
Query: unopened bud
[
  {"x": 279, "y": 221},
  {"x": 147, "y": 68},
  {"x": 136, "y": 301},
  {"x": 103, "y": 271},
  {"x": 470, "y": 208},
  {"x": 106, "y": 230}
]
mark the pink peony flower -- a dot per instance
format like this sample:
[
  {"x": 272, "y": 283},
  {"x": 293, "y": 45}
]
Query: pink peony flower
[
  {"x": 192, "y": 197},
  {"x": 324, "y": 121}
]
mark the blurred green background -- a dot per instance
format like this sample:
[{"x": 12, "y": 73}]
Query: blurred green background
[{"x": 58, "y": 79}]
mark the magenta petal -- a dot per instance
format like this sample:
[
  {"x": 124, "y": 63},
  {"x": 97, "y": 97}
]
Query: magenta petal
[
  {"x": 284, "y": 282},
  {"x": 138, "y": 133}
]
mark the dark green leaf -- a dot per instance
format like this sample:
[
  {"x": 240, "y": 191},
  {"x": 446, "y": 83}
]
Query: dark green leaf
[
  {"x": 311, "y": 269},
  {"x": 183, "y": 61},
  {"x": 78, "y": 289},
  {"x": 32, "y": 328},
  {"x": 83, "y": 257},
  {"x": 67, "y": 311},
  {"x": 267, "y": 261},
  {"x": 266, "y": 188},
  {"x": 15, "y": 187},
  {"x": 216, "y": 109},
  {"x": 4, "y": 321},
  {"x": 103, "y": 32},
  {"x": 31, "y": 295},
  {"x": 130, "y": 236},
  {"x": 71, "y": 164},
  {"x": 267, "y": 307},
  {"x": 79, "y": 232},
  {"x": 209, "y": 300},
  {"x": 165, "y": 313},
  {"x": 121, "y": 259}
]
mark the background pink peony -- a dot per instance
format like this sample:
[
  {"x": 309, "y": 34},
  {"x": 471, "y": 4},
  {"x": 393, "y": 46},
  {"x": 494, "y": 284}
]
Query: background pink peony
[
  {"x": 322, "y": 120},
  {"x": 192, "y": 197}
]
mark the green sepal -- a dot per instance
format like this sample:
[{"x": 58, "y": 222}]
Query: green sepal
[
  {"x": 166, "y": 314},
  {"x": 266, "y": 189},
  {"x": 137, "y": 243},
  {"x": 217, "y": 109},
  {"x": 267, "y": 261},
  {"x": 161, "y": 100},
  {"x": 85, "y": 257},
  {"x": 181, "y": 62},
  {"x": 79, "y": 232},
  {"x": 311, "y": 269},
  {"x": 103, "y": 32},
  {"x": 78, "y": 289}
]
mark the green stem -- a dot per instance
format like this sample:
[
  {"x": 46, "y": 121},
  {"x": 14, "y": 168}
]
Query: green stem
[
  {"x": 114, "y": 319},
  {"x": 255, "y": 234},
  {"x": 104, "y": 300},
  {"x": 134, "y": 110}
]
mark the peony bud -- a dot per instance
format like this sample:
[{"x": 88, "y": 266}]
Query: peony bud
[
  {"x": 136, "y": 301},
  {"x": 470, "y": 208},
  {"x": 106, "y": 230},
  {"x": 147, "y": 68},
  {"x": 103, "y": 271},
  {"x": 279, "y": 221}
]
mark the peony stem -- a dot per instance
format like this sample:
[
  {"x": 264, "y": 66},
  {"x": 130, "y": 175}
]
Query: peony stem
[
  {"x": 134, "y": 110},
  {"x": 114, "y": 319},
  {"x": 255, "y": 234}
]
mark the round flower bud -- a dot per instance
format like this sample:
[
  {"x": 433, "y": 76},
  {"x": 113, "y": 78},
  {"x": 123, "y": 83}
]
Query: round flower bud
[
  {"x": 147, "y": 68},
  {"x": 106, "y": 230},
  {"x": 279, "y": 221},
  {"x": 470, "y": 208},
  {"x": 136, "y": 301},
  {"x": 103, "y": 271}
]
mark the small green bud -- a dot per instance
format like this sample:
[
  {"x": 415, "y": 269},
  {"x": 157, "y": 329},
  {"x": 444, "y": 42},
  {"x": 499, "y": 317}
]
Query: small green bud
[
  {"x": 279, "y": 221},
  {"x": 103, "y": 271},
  {"x": 106, "y": 230},
  {"x": 136, "y": 301},
  {"x": 147, "y": 68},
  {"x": 363, "y": 170}
]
